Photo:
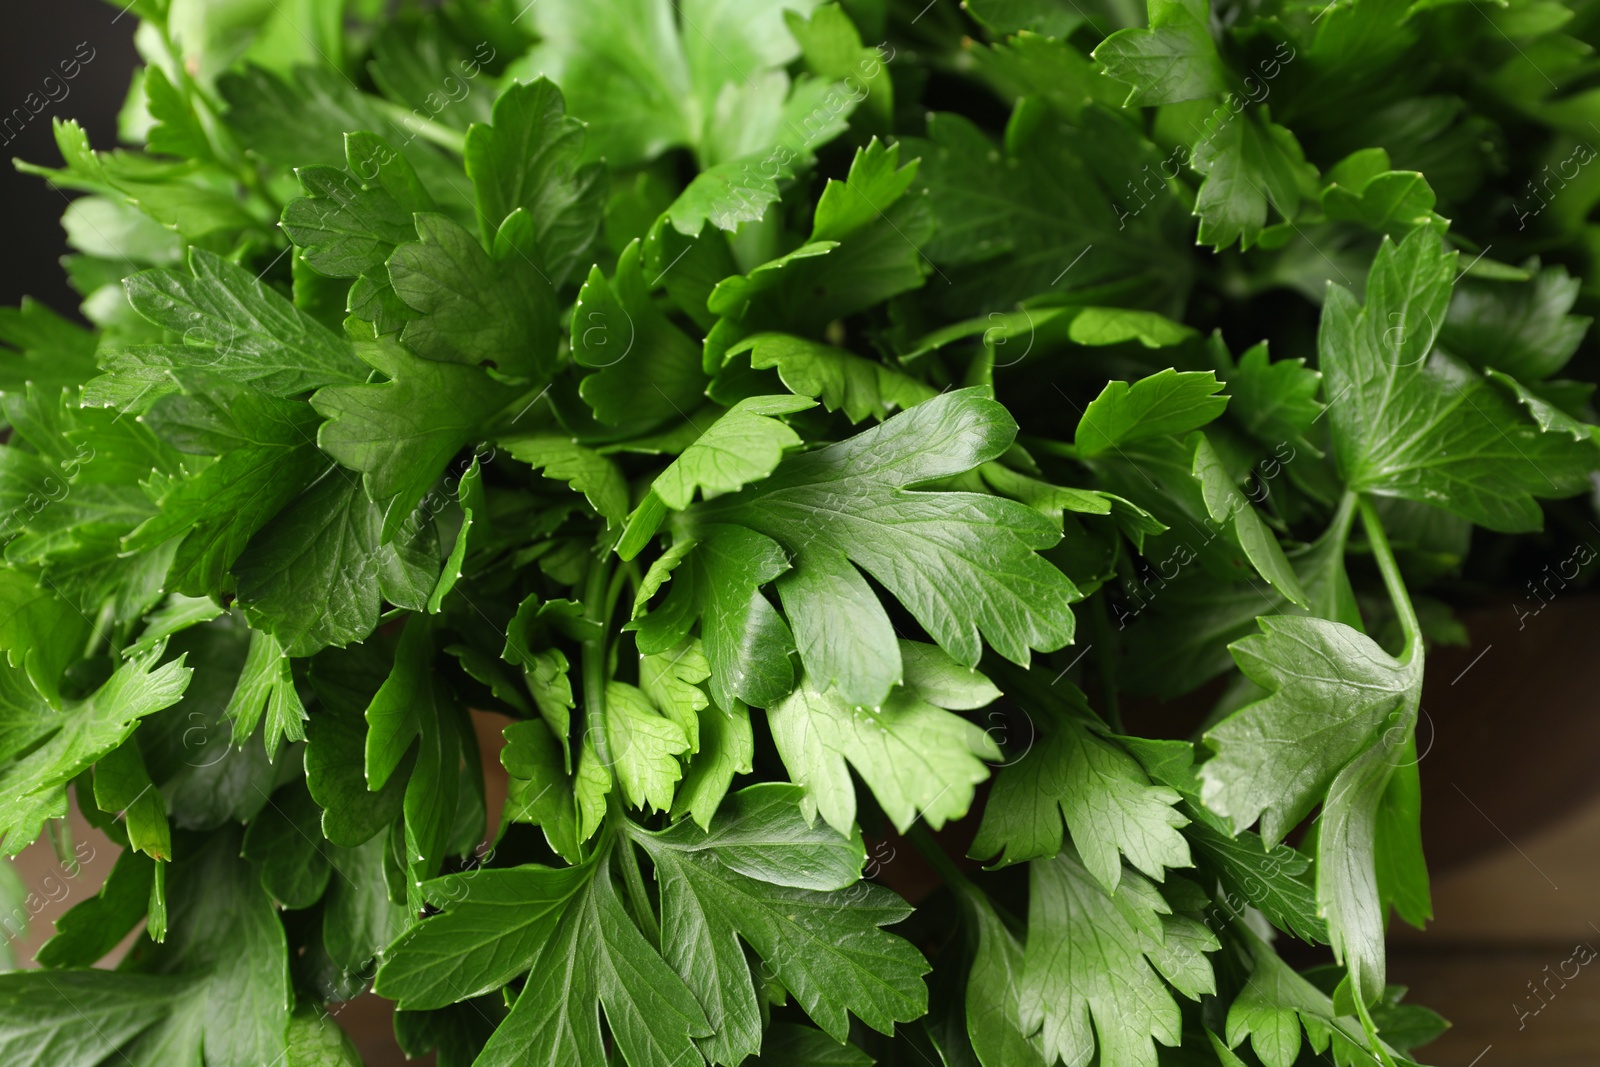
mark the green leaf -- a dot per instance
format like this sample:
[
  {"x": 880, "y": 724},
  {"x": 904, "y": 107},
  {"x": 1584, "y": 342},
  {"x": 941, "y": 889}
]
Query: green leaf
[
  {"x": 1274, "y": 400},
  {"x": 1330, "y": 731},
  {"x": 79, "y": 1018},
  {"x": 266, "y": 456},
  {"x": 832, "y": 49},
  {"x": 1175, "y": 59},
  {"x": 94, "y": 926},
  {"x": 1271, "y": 879},
  {"x": 1054, "y": 500},
  {"x": 225, "y": 930},
  {"x": 1276, "y": 1004},
  {"x": 994, "y": 993},
  {"x": 1101, "y": 955},
  {"x": 746, "y": 641},
  {"x": 310, "y": 576},
  {"x": 529, "y": 159},
  {"x": 743, "y": 446},
  {"x": 1524, "y": 329},
  {"x": 1409, "y": 424},
  {"x": 346, "y": 227},
  {"x": 759, "y": 875},
  {"x": 1166, "y": 403},
  {"x": 1226, "y": 503},
  {"x": 1041, "y": 213},
  {"x": 1111, "y": 326},
  {"x": 727, "y": 747},
  {"x": 303, "y": 119},
  {"x": 568, "y": 930},
  {"x": 353, "y": 218},
  {"x": 540, "y": 793},
  {"x": 1394, "y": 203},
  {"x": 1334, "y": 693},
  {"x": 39, "y": 630},
  {"x": 617, "y": 329},
  {"x": 1110, "y": 806},
  {"x": 964, "y": 564},
  {"x": 918, "y": 759},
  {"x": 402, "y": 433},
  {"x": 587, "y": 471},
  {"x": 394, "y": 715},
  {"x": 728, "y": 194},
  {"x": 286, "y": 842},
  {"x": 644, "y": 86},
  {"x": 867, "y": 240},
  {"x": 477, "y": 309},
  {"x": 266, "y": 687},
  {"x": 43, "y": 348},
  {"x": 315, "y": 1040},
  {"x": 1249, "y": 164},
  {"x": 122, "y": 786},
  {"x": 335, "y": 758},
  {"x": 643, "y": 746},
  {"x": 839, "y": 379},
  {"x": 231, "y": 324},
  {"x": 671, "y": 680},
  {"x": 32, "y": 788}
]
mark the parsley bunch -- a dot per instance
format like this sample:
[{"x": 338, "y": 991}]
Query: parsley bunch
[{"x": 805, "y": 425}]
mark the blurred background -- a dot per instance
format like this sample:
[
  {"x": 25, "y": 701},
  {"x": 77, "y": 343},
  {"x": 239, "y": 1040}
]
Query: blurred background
[
  {"x": 38, "y": 37},
  {"x": 1510, "y": 738}
]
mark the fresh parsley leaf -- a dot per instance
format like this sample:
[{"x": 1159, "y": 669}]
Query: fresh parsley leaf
[
  {"x": 744, "y": 879},
  {"x": 1421, "y": 426},
  {"x": 477, "y": 308},
  {"x": 1175, "y": 59},
  {"x": 916, "y": 757},
  {"x": 529, "y": 158},
  {"x": 1093, "y": 954},
  {"x": 853, "y": 505},
  {"x": 233, "y": 325},
  {"x": 1109, "y": 804}
]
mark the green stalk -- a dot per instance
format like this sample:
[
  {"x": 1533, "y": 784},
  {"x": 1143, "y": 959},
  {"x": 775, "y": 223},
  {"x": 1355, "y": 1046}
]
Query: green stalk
[
  {"x": 601, "y": 588},
  {"x": 594, "y": 661},
  {"x": 61, "y": 841},
  {"x": 1105, "y": 661},
  {"x": 633, "y": 878},
  {"x": 924, "y": 843},
  {"x": 453, "y": 141},
  {"x": 1392, "y": 580}
]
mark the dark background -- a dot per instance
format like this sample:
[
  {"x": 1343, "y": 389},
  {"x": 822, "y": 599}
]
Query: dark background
[{"x": 39, "y": 35}]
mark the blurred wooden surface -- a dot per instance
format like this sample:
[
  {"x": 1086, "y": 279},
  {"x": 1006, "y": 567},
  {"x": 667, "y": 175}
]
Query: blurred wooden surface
[{"x": 1505, "y": 926}]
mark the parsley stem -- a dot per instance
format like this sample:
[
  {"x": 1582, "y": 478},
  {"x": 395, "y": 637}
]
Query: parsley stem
[
  {"x": 643, "y": 913},
  {"x": 599, "y": 599},
  {"x": 594, "y": 664},
  {"x": 450, "y": 140},
  {"x": 1392, "y": 579},
  {"x": 938, "y": 859},
  {"x": 1105, "y": 661}
]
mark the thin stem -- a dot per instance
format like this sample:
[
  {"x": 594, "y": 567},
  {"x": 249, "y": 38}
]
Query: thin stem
[
  {"x": 633, "y": 878},
  {"x": 61, "y": 840},
  {"x": 599, "y": 599},
  {"x": 594, "y": 661},
  {"x": 1392, "y": 579},
  {"x": 450, "y": 140},
  {"x": 919, "y": 837},
  {"x": 614, "y": 591},
  {"x": 1105, "y": 662}
]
